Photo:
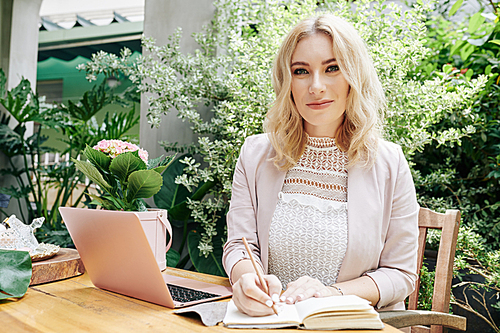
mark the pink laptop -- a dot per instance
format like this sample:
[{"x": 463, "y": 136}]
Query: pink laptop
[{"x": 118, "y": 258}]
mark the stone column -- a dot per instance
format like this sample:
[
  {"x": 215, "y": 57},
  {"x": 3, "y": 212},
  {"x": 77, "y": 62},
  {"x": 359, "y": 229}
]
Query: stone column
[
  {"x": 23, "y": 51},
  {"x": 18, "y": 56},
  {"x": 161, "y": 18}
]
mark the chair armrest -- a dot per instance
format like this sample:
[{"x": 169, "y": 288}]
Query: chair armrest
[{"x": 406, "y": 318}]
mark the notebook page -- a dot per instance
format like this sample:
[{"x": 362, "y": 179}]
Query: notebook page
[
  {"x": 333, "y": 303},
  {"x": 234, "y": 317}
]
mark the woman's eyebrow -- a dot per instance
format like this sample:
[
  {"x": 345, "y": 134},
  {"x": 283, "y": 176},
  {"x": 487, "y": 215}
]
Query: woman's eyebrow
[
  {"x": 302, "y": 63},
  {"x": 299, "y": 63},
  {"x": 328, "y": 61}
]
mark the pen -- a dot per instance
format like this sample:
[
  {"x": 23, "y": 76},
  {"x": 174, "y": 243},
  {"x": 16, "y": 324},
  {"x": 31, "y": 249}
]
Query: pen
[{"x": 257, "y": 271}]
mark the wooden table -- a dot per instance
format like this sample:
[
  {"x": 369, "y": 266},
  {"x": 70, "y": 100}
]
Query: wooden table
[{"x": 75, "y": 305}]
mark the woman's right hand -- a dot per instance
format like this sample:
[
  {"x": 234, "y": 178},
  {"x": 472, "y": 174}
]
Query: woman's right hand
[{"x": 250, "y": 298}]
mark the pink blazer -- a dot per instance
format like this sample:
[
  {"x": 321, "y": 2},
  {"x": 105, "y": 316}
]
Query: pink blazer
[{"x": 382, "y": 218}]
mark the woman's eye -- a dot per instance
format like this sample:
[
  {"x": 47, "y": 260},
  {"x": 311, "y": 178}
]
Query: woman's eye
[
  {"x": 333, "y": 68},
  {"x": 299, "y": 71}
]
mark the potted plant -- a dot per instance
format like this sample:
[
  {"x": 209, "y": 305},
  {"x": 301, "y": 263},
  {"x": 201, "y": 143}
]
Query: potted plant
[{"x": 126, "y": 177}]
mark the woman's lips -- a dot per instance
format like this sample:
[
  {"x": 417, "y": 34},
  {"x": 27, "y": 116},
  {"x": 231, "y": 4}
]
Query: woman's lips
[{"x": 320, "y": 105}]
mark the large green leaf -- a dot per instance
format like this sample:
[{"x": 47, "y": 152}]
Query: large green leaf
[
  {"x": 124, "y": 164},
  {"x": 91, "y": 103},
  {"x": 213, "y": 263},
  {"x": 173, "y": 197},
  {"x": 455, "y": 7},
  {"x": 475, "y": 22},
  {"x": 160, "y": 164},
  {"x": 91, "y": 171},
  {"x": 97, "y": 158},
  {"x": 143, "y": 184},
  {"x": 173, "y": 258},
  {"x": 15, "y": 273}
]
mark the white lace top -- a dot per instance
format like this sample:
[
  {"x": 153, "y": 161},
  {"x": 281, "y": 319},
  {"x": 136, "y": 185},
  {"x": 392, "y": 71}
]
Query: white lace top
[{"x": 308, "y": 233}]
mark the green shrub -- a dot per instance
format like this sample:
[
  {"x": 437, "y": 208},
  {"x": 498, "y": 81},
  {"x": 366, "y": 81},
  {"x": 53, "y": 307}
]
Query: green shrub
[{"x": 465, "y": 176}]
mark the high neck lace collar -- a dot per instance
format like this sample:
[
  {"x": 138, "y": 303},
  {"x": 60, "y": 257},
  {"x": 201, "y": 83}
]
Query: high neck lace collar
[{"x": 321, "y": 142}]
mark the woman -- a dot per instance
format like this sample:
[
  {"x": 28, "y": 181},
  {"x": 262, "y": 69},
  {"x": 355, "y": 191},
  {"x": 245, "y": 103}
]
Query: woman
[{"x": 327, "y": 206}]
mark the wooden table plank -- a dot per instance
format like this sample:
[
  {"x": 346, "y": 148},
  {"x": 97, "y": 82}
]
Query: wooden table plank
[{"x": 75, "y": 305}]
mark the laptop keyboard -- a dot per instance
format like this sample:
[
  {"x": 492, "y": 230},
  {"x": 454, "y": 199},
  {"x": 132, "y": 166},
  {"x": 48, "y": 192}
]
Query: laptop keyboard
[{"x": 183, "y": 294}]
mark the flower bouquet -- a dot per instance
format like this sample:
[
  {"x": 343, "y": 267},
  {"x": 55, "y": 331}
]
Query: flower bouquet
[{"x": 124, "y": 174}]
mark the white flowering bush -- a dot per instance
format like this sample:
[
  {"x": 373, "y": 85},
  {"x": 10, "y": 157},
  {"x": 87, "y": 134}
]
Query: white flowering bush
[{"x": 230, "y": 73}]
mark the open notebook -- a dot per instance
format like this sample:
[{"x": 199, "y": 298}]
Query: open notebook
[{"x": 327, "y": 313}]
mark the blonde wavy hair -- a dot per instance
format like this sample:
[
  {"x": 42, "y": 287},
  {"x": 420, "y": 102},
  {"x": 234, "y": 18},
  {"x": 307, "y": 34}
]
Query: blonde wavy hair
[{"x": 358, "y": 135}]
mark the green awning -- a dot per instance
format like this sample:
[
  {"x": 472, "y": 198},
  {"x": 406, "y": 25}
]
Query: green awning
[{"x": 67, "y": 44}]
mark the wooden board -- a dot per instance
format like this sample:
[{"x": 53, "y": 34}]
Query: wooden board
[{"x": 65, "y": 264}]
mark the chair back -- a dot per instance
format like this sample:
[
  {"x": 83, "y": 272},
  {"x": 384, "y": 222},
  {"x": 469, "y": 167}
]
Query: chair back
[{"x": 449, "y": 224}]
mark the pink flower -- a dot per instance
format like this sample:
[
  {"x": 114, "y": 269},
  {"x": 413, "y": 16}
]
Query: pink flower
[
  {"x": 114, "y": 148},
  {"x": 143, "y": 155},
  {"x": 119, "y": 150},
  {"x": 103, "y": 144}
]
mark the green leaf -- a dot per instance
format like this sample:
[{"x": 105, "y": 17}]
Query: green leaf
[
  {"x": 456, "y": 47},
  {"x": 455, "y": 7},
  {"x": 15, "y": 273},
  {"x": 160, "y": 169},
  {"x": 447, "y": 68},
  {"x": 211, "y": 264},
  {"x": 173, "y": 195},
  {"x": 91, "y": 103},
  {"x": 97, "y": 158},
  {"x": 160, "y": 164},
  {"x": 487, "y": 70},
  {"x": 154, "y": 162},
  {"x": 92, "y": 173},
  {"x": 173, "y": 258},
  {"x": 475, "y": 22},
  {"x": 104, "y": 203},
  {"x": 202, "y": 190},
  {"x": 143, "y": 184},
  {"x": 495, "y": 41},
  {"x": 469, "y": 73},
  {"x": 3, "y": 84},
  {"x": 124, "y": 164},
  {"x": 466, "y": 51},
  {"x": 429, "y": 68}
]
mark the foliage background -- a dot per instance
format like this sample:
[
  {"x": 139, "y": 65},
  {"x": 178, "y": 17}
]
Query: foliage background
[{"x": 467, "y": 176}]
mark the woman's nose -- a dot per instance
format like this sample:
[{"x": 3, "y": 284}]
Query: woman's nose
[{"x": 317, "y": 85}]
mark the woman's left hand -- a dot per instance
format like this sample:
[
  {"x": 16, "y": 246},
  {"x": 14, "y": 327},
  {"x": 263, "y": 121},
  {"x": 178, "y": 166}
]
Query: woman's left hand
[{"x": 306, "y": 287}]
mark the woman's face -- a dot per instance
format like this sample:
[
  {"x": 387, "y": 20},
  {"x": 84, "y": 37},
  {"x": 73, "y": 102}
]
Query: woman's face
[{"x": 319, "y": 89}]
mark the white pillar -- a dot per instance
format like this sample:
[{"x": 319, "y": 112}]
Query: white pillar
[
  {"x": 18, "y": 55},
  {"x": 24, "y": 42}
]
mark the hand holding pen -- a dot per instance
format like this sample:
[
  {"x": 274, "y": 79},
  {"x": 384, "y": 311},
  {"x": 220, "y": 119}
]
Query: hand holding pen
[
  {"x": 259, "y": 274},
  {"x": 250, "y": 295}
]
